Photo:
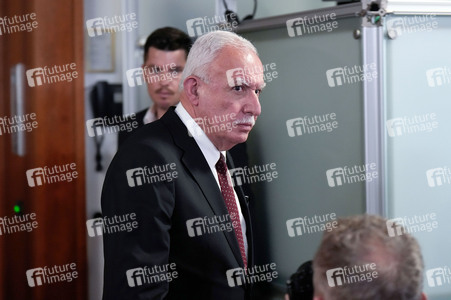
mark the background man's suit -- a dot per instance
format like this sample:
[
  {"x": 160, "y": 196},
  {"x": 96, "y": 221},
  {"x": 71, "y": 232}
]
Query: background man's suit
[
  {"x": 162, "y": 209},
  {"x": 123, "y": 135}
]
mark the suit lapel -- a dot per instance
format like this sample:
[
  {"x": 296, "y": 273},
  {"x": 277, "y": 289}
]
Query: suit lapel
[{"x": 197, "y": 165}]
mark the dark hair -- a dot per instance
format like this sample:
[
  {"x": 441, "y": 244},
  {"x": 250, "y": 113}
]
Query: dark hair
[
  {"x": 169, "y": 39},
  {"x": 300, "y": 284}
]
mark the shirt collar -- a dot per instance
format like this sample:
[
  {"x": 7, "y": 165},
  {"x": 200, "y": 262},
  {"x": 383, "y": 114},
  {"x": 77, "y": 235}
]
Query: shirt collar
[
  {"x": 150, "y": 115},
  {"x": 210, "y": 152}
]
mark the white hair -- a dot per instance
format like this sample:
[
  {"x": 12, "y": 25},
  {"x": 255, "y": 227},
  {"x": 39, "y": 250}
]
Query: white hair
[{"x": 206, "y": 48}]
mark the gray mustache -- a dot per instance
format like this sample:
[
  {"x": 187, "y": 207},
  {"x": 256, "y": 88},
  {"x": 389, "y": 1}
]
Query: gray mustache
[{"x": 245, "y": 120}]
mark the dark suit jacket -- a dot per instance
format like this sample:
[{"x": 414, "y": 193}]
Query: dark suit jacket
[
  {"x": 162, "y": 210},
  {"x": 123, "y": 135},
  {"x": 239, "y": 152}
]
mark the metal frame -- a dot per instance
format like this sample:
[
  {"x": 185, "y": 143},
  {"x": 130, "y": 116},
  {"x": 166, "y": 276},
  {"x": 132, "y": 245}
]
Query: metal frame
[
  {"x": 342, "y": 11},
  {"x": 374, "y": 116},
  {"x": 128, "y": 61},
  {"x": 439, "y": 7},
  {"x": 374, "y": 93}
]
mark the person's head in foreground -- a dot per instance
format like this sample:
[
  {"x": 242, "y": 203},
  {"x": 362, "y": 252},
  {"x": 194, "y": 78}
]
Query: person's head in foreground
[
  {"x": 165, "y": 53},
  {"x": 221, "y": 85},
  {"x": 359, "y": 260}
]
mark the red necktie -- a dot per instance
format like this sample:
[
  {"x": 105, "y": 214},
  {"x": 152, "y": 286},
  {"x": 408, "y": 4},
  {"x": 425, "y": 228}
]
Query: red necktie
[{"x": 229, "y": 198}]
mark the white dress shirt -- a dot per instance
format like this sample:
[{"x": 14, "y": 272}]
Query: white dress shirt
[
  {"x": 211, "y": 154},
  {"x": 149, "y": 116}
]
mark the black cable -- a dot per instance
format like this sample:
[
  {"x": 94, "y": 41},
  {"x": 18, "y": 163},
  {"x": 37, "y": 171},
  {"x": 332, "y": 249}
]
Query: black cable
[
  {"x": 255, "y": 9},
  {"x": 225, "y": 5},
  {"x": 250, "y": 17},
  {"x": 228, "y": 13},
  {"x": 98, "y": 141}
]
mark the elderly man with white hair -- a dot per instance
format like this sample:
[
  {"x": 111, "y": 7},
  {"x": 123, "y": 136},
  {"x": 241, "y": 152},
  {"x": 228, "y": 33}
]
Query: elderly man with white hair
[{"x": 193, "y": 236}]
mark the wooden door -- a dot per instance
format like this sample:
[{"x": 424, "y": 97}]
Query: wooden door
[{"x": 54, "y": 208}]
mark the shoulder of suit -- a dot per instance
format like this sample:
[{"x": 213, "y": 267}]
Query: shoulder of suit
[
  {"x": 137, "y": 116},
  {"x": 162, "y": 132},
  {"x": 142, "y": 113}
]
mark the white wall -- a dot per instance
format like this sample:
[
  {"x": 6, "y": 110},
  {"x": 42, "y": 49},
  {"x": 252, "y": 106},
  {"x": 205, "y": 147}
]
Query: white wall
[{"x": 94, "y": 179}]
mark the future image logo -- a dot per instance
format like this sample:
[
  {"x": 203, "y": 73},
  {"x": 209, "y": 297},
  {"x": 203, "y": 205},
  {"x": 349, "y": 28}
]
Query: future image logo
[
  {"x": 18, "y": 123},
  {"x": 310, "y": 25},
  {"x": 347, "y": 175},
  {"x": 349, "y": 75},
  {"x": 18, "y": 223},
  {"x": 217, "y": 123},
  {"x": 247, "y": 76},
  {"x": 151, "y": 275},
  {"x": 258, "y": 273},
  {"x": 49, "y": 275},
  {"x": 112, "y": 224},
  {"x": 105, "y": 25},
  {"x": 147, "y": 175},
  {"x": 438, "y": 276},
  {"x": 307, "y": 225},
  {"x": 18, "y": 23},
  {"x": 438, "y": 176},
  {"x": 107, "y": 125},
  {"x": 52, "y": 74},
  {"x": 207, "y": 225},
  {"x": 235, "y": 277},
  {"x": 407, "y": 125},
  {"x": 47, "y": 175},
  {"x": 312, "y": 124},
  {"x": 399, "y": 26},
  {"x": 437, "y": 77},
  {"x": 417, "y": 223},
  {"x": 236, "y": 77},
  {"x": 349, "y": 275},
  {"x": 135, "y": 77},
  {"x": 202, "y": 25},
  {"x": 254, "y": 174}
]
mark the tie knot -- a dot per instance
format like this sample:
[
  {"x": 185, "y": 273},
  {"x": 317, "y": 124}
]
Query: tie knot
[{"x": 221, "y": 165}]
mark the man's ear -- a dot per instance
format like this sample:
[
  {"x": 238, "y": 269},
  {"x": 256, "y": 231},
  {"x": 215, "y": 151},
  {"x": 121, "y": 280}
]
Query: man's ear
[
  {"x": 317, "y": 298},
  {"x": 191, "y": 86},
  {"x": 423, "y": 296}
]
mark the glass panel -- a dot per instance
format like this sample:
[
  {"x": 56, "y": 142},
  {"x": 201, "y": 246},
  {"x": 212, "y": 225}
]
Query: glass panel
[
  {"x": 301, "y": 188},
  {"x": 418, "y": 122}
]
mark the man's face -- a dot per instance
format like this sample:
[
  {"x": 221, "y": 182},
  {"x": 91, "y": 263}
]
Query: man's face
[
  {"x": 162, "y": 71},
  {"x": 229, "y": 102}
]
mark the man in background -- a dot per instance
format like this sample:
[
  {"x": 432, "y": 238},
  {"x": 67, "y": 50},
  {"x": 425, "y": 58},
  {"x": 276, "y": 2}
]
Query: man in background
[
  {"x": 165, "y": 53},
  {"x": 360, "y": 261}
]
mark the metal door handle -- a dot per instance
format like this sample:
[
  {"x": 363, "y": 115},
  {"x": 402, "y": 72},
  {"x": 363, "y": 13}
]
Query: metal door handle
[{"x": 18, "y": 108}]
